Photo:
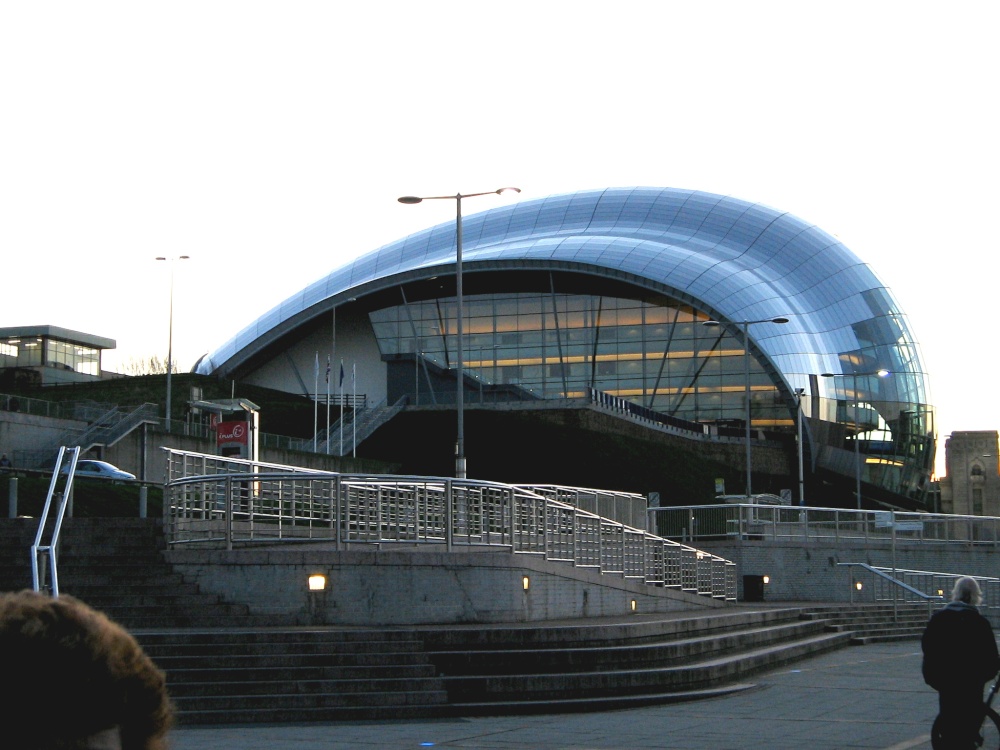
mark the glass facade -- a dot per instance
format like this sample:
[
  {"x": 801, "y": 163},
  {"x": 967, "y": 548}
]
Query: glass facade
[
  {"x": 50, "y": 352},
  {"x": 610, "y": 290},
  {"x": 553, "y": 346}
]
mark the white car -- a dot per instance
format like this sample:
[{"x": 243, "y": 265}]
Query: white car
[
  {"x": 764, "y": 498},
  {"x": 102, "y": 469}
]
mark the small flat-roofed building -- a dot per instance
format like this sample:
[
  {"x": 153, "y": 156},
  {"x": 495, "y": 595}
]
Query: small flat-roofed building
[{"x": 48, "y": 355}]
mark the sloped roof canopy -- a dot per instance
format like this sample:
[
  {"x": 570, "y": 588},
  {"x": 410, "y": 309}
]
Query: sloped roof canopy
[{"x": 736, "y": 261}]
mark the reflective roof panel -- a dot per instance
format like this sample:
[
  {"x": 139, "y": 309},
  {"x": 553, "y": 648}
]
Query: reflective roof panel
[{"x": 735, "y": 260}]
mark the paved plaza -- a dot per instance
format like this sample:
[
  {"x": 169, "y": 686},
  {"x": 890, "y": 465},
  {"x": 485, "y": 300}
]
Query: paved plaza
[{"x": 857, "y": 697}]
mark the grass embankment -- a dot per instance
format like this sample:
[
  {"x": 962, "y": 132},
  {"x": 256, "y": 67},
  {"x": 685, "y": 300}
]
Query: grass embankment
[{"x": 92, "y": 498}]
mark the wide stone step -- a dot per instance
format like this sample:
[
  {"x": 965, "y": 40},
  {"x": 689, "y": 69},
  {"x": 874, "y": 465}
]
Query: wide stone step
[
  {"x": 861, "y": 639},
  {"x": 579, "y": 659},
  {"x": 564, "y": 635},
  {"x": 224, "y": 684},
  {"x": 343, "y": 652},
  {"x": 477, "y": 693},
  {"x": 201, "y": 617},
  {"x": 378, "y": 707},
  {"x": 192, "y": 667},
  {"x": 355, "y": 638}
]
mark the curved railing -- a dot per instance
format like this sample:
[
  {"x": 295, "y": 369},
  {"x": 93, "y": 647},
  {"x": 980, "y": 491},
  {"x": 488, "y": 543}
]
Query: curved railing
[{"x": 219, "y": 502}]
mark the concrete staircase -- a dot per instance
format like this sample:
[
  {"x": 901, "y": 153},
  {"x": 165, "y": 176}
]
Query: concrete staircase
[
  {"x": 117, "y": 566},
  {"x": 225, "y": 665},
  {"x": 295, "y": 675},
  {"x": 604, "y": 665},
  {"x": 874, "y": 623}
]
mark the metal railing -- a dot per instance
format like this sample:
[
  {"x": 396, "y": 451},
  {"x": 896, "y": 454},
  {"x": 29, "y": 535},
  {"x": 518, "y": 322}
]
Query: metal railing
[
  {"x": 900, "y": 585},
  {"x": 788, "y": 523},
  {"x": 44, "y": 551},
  {"x": 221, "y": 502},
  {"x": 628, "y": 508}
]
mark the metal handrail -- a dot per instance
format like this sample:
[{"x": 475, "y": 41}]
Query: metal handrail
[
  {"x": 216, "y": 501},
  {"x": 758, "y": 522},
  {"x": 42, "y": 553},
  {"x": 896, "y": 584}
]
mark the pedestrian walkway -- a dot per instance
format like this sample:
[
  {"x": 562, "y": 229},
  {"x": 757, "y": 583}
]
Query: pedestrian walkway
[{"x": 857, "y": 697}]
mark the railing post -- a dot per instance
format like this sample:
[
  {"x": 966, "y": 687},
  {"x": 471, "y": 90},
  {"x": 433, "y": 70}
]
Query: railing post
[
  {"x": 448, "y": 488},
  {"x": 12, "y": 497},
  {"x": 337, "y": 515},
  {"x": 229, "y": 513},
  {"x": 545, "y": 528},
  {"x": 576, "y": 523},
  {"x": 379, "y": 500}
]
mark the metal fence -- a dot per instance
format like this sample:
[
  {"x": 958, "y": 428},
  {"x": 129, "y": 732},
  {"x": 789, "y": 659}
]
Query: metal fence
[
  {"x": 693, "y": 524},
  {"x": 883, "y": 584},
  {"x": 221, "y": 502}
]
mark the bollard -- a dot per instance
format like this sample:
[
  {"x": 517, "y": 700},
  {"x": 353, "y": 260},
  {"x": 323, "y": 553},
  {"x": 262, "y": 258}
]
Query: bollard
[
  {"x": 143, "y": 492},
  {"x": 12, "y": 497}
]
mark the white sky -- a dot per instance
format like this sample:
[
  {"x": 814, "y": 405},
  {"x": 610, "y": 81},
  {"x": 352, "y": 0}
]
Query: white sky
[{"x": 270, "y": 140}]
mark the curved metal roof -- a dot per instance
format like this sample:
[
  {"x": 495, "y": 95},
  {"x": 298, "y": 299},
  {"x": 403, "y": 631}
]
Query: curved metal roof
[{"x": 735, "y": 260}]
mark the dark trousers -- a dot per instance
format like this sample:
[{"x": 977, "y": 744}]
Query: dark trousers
[{"x": 961, "y": 716}]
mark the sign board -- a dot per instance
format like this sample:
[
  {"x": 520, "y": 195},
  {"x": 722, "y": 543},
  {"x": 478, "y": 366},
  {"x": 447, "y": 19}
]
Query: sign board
[
  {"x": 909, "y": 525},
  {"x": 654, "y": 500},
  {"x": 883, "y": 519},
  {"x": 232, "y": 439}
]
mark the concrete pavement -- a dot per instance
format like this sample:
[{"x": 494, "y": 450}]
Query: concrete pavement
[{"x": 857, "y": 697}]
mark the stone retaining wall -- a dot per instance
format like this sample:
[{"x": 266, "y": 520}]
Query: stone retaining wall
[{"x": 389, "y": 587}]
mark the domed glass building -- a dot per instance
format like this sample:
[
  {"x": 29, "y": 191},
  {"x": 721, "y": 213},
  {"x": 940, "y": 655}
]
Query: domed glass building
[{"x": 678, "y": 303}]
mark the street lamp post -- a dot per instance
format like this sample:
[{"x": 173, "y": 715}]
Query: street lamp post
[
  {"x": 746, "y": 375},
  {"x": 799, "y": 393},
  {"x": 460, "y": 471},
  {"x": 857, "y": 425},
  {"x": 170, "y": 332}
]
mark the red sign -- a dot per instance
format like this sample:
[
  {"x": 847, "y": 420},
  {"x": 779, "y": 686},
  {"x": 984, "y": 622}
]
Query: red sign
[{"x": 228, "y": 433}]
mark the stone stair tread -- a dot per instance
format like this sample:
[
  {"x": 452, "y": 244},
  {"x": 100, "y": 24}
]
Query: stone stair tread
[
  {"x": 222, "y": 689},
  {"x": 330, "y": 698},
  {"x": 719, "y": 669},
  {"x": 663, "y": 653},
  {"x": 231, "y": 674},
  {"x": 300, "y": 714},
  {"x": 600, "y": 703}
]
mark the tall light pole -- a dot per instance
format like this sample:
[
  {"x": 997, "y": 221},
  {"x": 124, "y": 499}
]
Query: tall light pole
[
  {"x": 460, "y": 471},
  {"x": 799, "y": 393},
  {"x": 857, "y": 424},
  {"x": 746, "y": 376},
  {"x": 170, "y": 331}
]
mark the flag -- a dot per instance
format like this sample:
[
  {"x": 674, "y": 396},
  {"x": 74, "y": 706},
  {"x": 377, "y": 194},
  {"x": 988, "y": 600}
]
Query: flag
[
  {"x": 316, "y": 371},
  {"x": 341, "y": 373},
  {"x": 354, "y": 375},
  {"x": 327, "y": 369}
]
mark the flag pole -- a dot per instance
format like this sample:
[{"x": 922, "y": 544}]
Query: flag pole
[
  {"x": 328, "y": 404},
  {"x": 354, "y": 422},
  {"x": 341, "y": 407},
  {"x": 315, "y": 401}
]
